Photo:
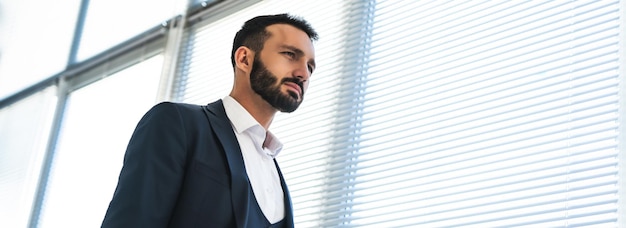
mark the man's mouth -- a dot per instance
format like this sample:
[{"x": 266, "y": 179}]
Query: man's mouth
[{"x": 294, "y": 86}]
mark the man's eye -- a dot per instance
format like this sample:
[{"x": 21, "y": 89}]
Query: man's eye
[{"x": 290, "y": 54}]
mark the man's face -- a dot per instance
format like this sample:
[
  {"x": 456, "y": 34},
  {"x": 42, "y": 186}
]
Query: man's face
[
  {"x": 280, "y": 72},
  {"x": 266, "y": 85}
]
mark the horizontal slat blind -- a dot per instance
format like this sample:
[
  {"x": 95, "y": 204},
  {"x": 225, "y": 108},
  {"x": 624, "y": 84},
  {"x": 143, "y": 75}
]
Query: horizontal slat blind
[
  {"x": 205, "y": 74},
  {"x": 441, "y": 113},
  {"x": 489, "y": 114}
]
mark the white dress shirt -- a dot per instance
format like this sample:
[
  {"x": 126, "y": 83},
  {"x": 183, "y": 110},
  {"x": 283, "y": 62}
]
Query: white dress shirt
[{"x": 259, "y": 148}]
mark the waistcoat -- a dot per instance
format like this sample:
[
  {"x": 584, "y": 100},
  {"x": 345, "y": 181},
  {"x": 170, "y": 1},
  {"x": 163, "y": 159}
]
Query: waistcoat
[{"x": 256, "y": 218}]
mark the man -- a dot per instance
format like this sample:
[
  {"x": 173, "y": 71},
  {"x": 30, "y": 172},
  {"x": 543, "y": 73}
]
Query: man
[{"x": 213, "y": 166}]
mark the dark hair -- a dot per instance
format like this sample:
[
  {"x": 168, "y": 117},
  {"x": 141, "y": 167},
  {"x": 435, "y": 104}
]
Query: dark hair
[{"x": 253, "y": 34}]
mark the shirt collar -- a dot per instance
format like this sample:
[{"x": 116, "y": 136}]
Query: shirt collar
[{"x": 242, "y": 121}]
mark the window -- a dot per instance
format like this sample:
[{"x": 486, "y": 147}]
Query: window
[
  {"x": 442, "y": 114},
  {"x": 489, "y": 114},
  {"x": 205, "y": 75},
  {"x": 26, "y": 126},
  {"x": 30, "y": 27},
  {"x": 419, "y": 114},
  {"x": 110, "y": 22},
  {"x": 99, "y": 120}
]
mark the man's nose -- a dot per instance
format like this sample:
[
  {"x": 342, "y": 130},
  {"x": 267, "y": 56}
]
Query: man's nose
[{"x": 303, "y": 73}]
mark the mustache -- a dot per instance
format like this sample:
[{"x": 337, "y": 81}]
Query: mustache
[{"x": 297, "y": 81}]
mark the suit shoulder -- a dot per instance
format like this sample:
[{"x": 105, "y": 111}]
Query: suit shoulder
[{"x": 168, "y": 105}]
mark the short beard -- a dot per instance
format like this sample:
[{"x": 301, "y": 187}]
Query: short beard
[{"x": 264, "y": 83}]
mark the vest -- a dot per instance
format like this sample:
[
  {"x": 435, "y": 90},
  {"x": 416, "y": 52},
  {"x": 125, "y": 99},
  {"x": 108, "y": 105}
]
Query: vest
[{"x": 256, "y": 218}]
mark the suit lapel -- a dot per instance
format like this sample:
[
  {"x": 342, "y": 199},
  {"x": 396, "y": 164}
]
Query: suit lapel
[{"x": 240, "y": 195}]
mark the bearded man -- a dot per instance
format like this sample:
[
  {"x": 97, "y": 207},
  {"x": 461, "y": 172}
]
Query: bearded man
[{"x": 214, "y": 166}]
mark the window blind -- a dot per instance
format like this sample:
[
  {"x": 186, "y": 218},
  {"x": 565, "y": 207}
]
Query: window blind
[
  {"x": 489, "y": 114},
  {"x": 205, "y": 74},
  {"x": 441, "y": 113}
]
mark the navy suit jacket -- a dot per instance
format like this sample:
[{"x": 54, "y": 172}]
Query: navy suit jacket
[{"x": 183, "y": 168}]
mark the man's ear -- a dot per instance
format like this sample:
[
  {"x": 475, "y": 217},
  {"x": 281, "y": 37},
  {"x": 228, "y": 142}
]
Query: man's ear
[{"x": 244, "y": 58}]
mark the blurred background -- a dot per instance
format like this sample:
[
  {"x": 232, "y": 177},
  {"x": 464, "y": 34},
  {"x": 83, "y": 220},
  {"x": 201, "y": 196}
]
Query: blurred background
[{"x": 420, "y": 113}]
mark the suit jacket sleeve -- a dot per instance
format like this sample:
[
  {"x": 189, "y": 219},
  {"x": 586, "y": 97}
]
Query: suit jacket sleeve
[{"x": 150, "y": 179}]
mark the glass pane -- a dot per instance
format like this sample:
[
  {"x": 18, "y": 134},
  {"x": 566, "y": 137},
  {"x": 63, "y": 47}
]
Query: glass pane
[
  {"x": 99, "y": 121},
  {"x": 23, "y": 26},
  {"x": 126, "y": 18},
  {"x": 23, "y": 138}
]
